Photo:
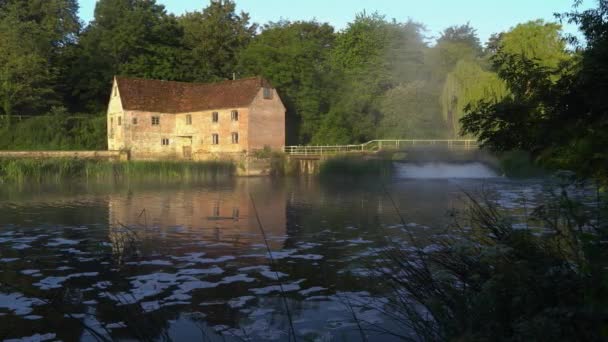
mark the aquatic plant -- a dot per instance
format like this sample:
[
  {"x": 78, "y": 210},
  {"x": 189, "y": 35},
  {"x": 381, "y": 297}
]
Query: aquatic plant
[
  {"x": 355, "y": 166},
  {"x": 490, "y": 278},
  {"x": 56, "y": 170}
]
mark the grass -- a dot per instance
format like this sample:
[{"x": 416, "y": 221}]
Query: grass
[{"x": 57, "y": 170}]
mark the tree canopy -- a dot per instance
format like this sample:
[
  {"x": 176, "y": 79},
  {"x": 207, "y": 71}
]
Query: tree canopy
[{"x": 377, "y": 78}]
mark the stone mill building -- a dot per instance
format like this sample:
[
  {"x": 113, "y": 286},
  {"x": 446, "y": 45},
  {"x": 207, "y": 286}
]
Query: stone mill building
[{"x": 155, "y": 120}]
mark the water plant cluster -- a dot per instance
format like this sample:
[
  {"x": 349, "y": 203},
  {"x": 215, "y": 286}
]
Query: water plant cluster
[
  {"x": 59, "y": 169},
  {"x": 495, "y": 275}
]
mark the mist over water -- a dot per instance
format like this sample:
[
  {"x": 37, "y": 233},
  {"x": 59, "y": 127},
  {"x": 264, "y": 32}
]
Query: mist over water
[{"x": 439, "y": 170}]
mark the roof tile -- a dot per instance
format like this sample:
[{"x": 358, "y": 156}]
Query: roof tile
[{"x": 180, "y": 97}]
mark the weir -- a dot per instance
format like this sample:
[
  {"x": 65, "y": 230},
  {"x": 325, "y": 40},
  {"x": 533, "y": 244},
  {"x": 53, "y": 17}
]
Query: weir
[{"x": 413, "y": 151}]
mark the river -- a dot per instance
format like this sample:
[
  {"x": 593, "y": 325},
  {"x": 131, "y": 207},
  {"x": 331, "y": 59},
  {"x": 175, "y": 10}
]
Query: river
[{"x": 191, "y": 261}]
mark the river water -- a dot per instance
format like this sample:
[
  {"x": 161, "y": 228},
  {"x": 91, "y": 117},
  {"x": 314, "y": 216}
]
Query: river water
[{"x": 191, "y": 261}]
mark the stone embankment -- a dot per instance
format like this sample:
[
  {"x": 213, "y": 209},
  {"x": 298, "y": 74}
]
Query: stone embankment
[{"x": 94, "y": 155}]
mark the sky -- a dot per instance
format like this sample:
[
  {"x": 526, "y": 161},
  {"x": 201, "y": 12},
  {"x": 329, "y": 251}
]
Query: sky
[{"x": 487, "y": 16}]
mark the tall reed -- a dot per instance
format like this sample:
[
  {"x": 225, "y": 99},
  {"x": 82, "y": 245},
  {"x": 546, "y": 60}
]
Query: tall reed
[{"x": 60, "y": 169}]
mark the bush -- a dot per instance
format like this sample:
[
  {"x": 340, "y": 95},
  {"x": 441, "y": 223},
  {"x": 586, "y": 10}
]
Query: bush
[{"x": 55, "y": 132}]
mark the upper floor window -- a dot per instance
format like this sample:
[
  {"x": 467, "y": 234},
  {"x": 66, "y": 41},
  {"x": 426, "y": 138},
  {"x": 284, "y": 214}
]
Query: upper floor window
[
  {"x": 155, "y": 120},
  {"x": 134, "y": 121},
  {"x": 165, "y": 142},
  {"x": 267, "y": 93},
  {"x": 119, "y": 120},
  {"x": 115, "y": 91},
  {"x": 235, "y": 138},
  {"x": 215, "y": 116},
  {"x": 234, "y": 115},
  {"x": 188, "y": 119},
  {"x": 215, "y": 139}
]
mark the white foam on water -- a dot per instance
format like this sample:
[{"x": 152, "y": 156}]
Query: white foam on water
[{"x": 439, "y": 170}]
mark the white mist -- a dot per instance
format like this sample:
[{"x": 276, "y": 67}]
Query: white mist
[{"x": 439, "y": 170}]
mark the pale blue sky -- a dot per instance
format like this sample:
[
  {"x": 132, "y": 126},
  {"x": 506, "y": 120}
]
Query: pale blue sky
[{"x": 487, "y": 16}]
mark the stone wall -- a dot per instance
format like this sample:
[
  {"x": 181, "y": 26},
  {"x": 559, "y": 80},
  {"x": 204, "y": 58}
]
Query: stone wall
[
  {"x": 96, "y": 155},
  {"x": 267, "y": 122}
]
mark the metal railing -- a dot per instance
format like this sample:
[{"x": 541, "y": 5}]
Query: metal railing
[{"x": 381, "y": 145}]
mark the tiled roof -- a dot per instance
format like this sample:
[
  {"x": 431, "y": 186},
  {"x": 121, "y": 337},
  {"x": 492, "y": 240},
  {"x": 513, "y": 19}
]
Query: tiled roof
[{"x": 180, "y": 97}]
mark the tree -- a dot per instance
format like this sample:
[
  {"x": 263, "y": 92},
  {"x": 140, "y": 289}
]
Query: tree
[
  {"x": 461, "y": 34},
  {"x": 370, "y": 57},
  {"x": 410, "y": 111},
  {"x": 468, "y": 83},
  {"x": 34, "y": 37},
  {"x": 556, "y": 107},
  {"x": 127, "y": 37},
  {"x": 293, "y": 57},
  {"x": 214, "y": 39},
  {"x": 26, "y": 79},
  {"x": 536, "y": 40},
  {"x": 456, "y": 43}
]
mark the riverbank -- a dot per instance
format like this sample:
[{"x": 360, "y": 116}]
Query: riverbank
[{"x": 59, "y": 169}]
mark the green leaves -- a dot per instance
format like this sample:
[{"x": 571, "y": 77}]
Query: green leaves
[
  {"x": 556, "y": 107},
  {"x": 293, "y": 56}
]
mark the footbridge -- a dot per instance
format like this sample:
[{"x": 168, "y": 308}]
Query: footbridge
[
  {"x": 309, "y": 158},
  {"x": 382, "y": 145}
]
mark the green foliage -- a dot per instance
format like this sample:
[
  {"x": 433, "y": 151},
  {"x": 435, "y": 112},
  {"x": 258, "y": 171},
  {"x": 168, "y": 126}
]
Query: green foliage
[
  {"x": 129, "y": 38},
  {"x": 370, "y": 57},
  {"x": 520, "y": 164},
  {"x": 293, "y": 57},
  {"x": 340, "y": 167},
  {"x": 56, "y": 132},
  {"x": 536, "y": 40},
  {"x": 461, "y": 34},
  {"x": 494, "y": 277},
  {"x": 57, "y": 170},
  {"x": 34, "y": 35},
  {"x": 214, "y": 40},
  {"x": 410, "y": 110},
  {"x": 556, "y": 108},
  {"x": 468, "y": 83}
]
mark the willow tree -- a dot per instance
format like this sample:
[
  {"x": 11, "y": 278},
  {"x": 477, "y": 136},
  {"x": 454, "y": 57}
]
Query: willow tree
[{"x": 466, "y": 85}]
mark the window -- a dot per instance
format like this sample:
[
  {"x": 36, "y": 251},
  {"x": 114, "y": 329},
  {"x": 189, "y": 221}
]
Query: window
[
  {"x": 111, "y": 128},
  {"x": 216, "y": 139},
  {"x": 234, "y": 115},
  {"x": 188, "y": 119},
  {"x": 155, "y": 120},
  {"x": 216, "y": 209},
  {"x": 267, "y": 93},
  {"x": 215, "y": 116},
  {"x": 119, "y": 120},
  {"x": 235, "y": 213},
  {"x": 115, "y": 91},
  {"x": 165, "y": 142},
  {"x": 134, "y": 121},
  {"x": 235, "y": 138}
]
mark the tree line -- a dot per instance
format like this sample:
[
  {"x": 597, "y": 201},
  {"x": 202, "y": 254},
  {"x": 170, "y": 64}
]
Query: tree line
[{"x": 377, "y": 78}]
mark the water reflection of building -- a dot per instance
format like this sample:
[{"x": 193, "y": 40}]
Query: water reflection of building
[{"x": 211, "y": 214}]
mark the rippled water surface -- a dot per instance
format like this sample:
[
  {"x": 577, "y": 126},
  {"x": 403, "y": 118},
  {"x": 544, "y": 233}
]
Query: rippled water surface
[{"x": 190, "y": 261}]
